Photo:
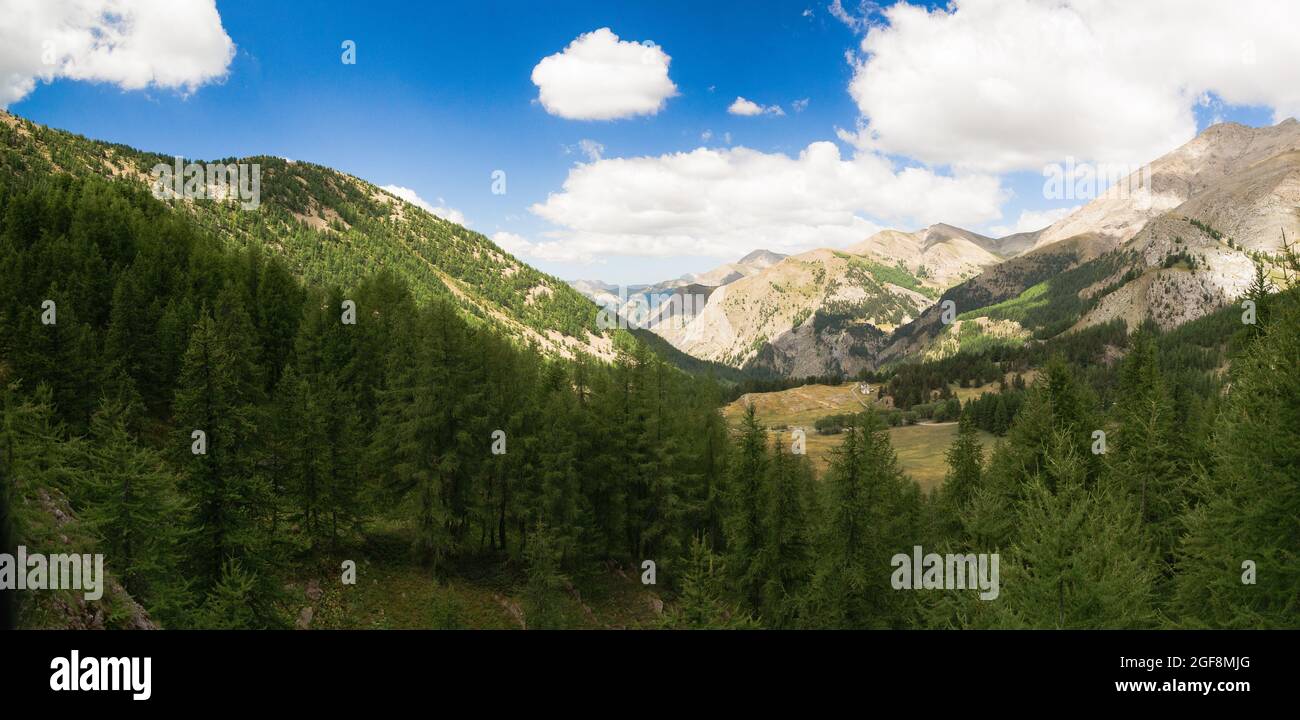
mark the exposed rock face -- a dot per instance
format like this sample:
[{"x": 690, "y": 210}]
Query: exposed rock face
[
  {"x": 792, "y": 305},
  {"x": 1172, "y": 294},
  {"x": 844, "y": 348},
  {"x": 997, "y": 284},
  {"x": 1239, "y": 192},
  {"x": 1249, "y": 171},
  {"x": 829, "y": 311}
]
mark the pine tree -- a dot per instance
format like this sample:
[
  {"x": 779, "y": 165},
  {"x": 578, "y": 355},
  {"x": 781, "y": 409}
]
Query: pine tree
[
  {"x": 279, "y": 448},
  {"x": 409, "y": 442},
  {"x": 1079, "y": 560},
  {"x": 713, "y": 454},
  {"x": 1248, "y": 499},
  {"x": 871, "y": 506},
  {"x": 965, "y": 464},
  {"x": 666, "y": 466},
  {"x": 61, "y": 355},
  {"x": 133, "y": 509},
  {"x": 1001, "y": 418},
  {"x": 234, "y": 602},
  {"x": 35, "y": 447},
  {"x": 1057, "y": 404},
  {"x": 220, "y": 484},
  {"x": 558, "y": 503},
  {"x": 37, "y": 463},
  {"x": 702, "y": 604},
  {"x": 746, "y": 498},
  {"x": 308, "y": 469},
  {"x": 1144, "y": 457},
  {"x": 278, "y": 312},
  {"x": 1261, "y": 287},
  {"x": 345, "y": 507},
  {"x": 544, "y": 596},
  {"x": 784, "y": 562}
]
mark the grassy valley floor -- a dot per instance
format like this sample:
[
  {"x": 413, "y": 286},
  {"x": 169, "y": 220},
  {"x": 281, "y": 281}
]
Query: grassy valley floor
[{"x": 920, "y": 447}]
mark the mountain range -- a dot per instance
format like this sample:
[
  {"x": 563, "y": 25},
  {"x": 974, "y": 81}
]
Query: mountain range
[
  {"x": 1181, "y": 240},
  {"x": 1171, "y": 242},
  {"x": 1168, "y": 253}
]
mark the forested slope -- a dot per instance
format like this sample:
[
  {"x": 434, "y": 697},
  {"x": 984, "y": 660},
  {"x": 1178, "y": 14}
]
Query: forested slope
[
  {"x": 332, "y": 228},
  {"x": 315, "y": 428}
]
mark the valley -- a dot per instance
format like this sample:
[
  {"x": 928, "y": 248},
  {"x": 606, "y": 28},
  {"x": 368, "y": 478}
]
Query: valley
[
  {"x": 921, "y": 447},
  {"x": 411, "y": 320},
  {"x": 375, "y": 440}
]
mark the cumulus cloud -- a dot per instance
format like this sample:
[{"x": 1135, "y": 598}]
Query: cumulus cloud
[
  {"x": 590, "y": 149},
  {"x": 446, "y": 213},
  {"x": 135, "y": 44},
  {"x": 1031, "y": 220},
  {"x": 1013, "y": 84},
  {"x": 599, "y": 77},
  {"x": 750, "y": 108},
  {"x": 515, "y": 244},
  {"x": 726, "y": 202}
]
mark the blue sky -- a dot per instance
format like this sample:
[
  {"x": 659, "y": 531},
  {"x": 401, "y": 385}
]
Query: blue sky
[{"x": 441, "y": 95}]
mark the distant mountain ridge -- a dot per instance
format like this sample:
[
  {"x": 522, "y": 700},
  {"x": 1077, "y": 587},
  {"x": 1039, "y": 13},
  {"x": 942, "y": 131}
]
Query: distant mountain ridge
[
  {"x": 820, "y": 312},
  {"x": 1170, "y": 243},
  {"x": 1180, "y": 247},
  {"x": 632, "y": 301}
]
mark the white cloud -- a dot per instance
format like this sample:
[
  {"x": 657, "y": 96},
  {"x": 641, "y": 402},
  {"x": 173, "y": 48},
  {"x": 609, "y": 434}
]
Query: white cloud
[
  {"x": 1013, "y": 84},
  {"x": 446, "y": 213},
  {"x": 745, "y": 107},
  {"x": 516, "y": 245},
  {"x": 135, "y": 44},
  {"x": 800, "y": 105},
  {"x": 592, "y": 149},
  {"x": 599, "y": 77},
  {"x": 749, "y": 108},
  {"x": 1031, "y": 220},
  {"x": 726, "y": 202},
  {"x": 857, "y": 23}
]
